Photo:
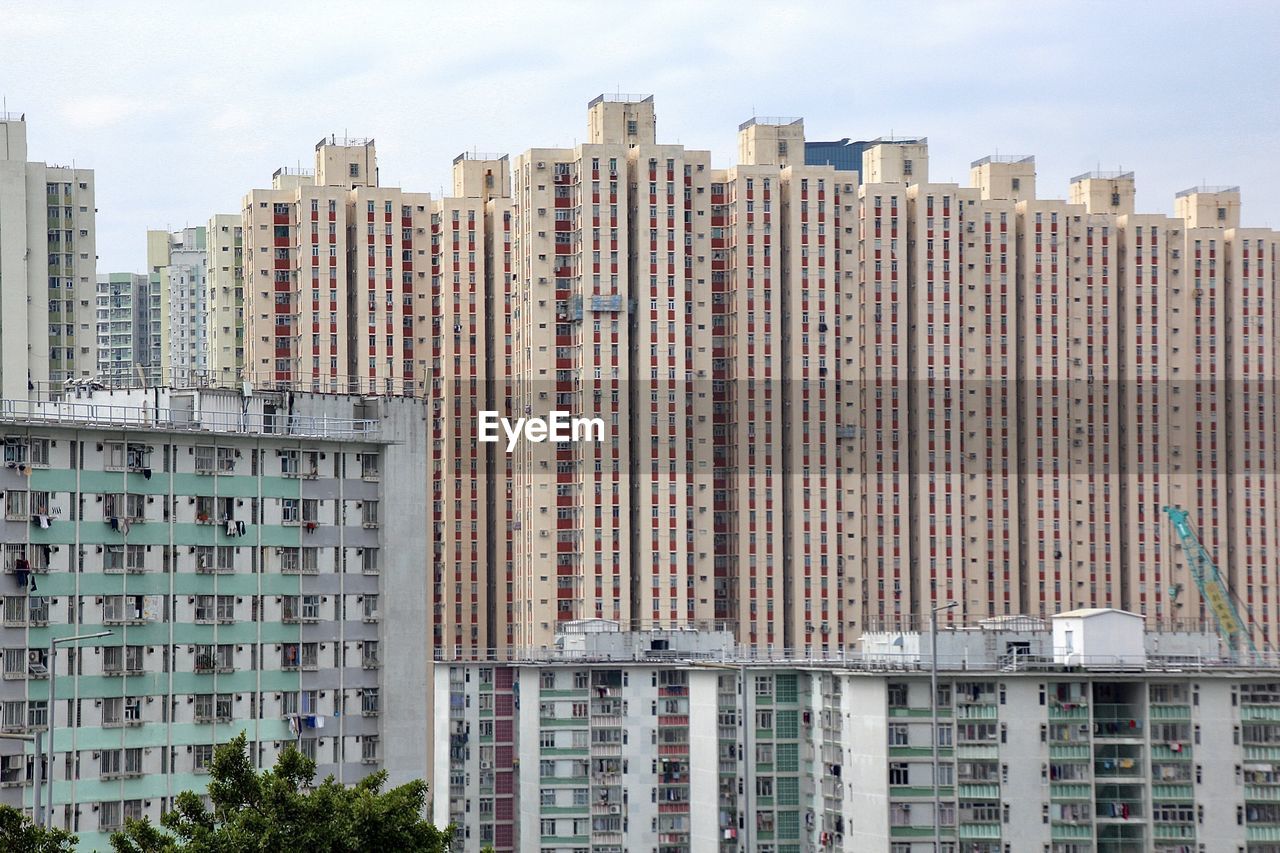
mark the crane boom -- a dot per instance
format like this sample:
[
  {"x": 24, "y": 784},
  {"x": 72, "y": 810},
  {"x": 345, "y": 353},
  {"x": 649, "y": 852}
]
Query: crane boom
[{"x": 1213, "y": 590}]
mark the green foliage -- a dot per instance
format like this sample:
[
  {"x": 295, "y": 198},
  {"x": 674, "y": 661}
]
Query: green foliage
[
  {"x": 281, "y": 810},
  {"x": 19, "y": 835}
]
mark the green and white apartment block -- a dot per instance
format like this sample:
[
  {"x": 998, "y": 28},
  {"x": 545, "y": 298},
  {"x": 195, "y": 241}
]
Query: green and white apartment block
[
  {"x": 239, "y": 550},
  {"x": 1086, "y": 734}
]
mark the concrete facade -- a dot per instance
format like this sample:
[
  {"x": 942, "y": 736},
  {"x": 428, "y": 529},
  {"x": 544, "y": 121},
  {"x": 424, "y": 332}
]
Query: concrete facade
[
  {"x": 178, "y": 263},
  {"x": 224, "y": 274},
  {"x": 655, "y": 741},
  {"x": 48, "y": 268},
  {"x": 239, "y": 549},
  {"x": 125, "y": 330}
]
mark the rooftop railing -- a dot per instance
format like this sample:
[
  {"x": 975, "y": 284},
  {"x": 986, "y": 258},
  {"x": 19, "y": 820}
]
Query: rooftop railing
[
  {"x": 1207, "y": 189},
  {"x": 856, "y": 661},
  {"x": 1103, "y": 176},
  {"x": 106, "y": 415}
]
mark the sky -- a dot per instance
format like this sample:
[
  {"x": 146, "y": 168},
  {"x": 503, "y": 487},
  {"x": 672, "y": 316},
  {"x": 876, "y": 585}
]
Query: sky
[{"x": 181, "y": 108}]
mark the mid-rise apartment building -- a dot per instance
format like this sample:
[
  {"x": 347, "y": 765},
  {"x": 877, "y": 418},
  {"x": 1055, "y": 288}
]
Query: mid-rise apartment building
[
  {"x": 48, "y": 268},
  {"x": 259, "y": 569},
  {"x": 1072, "y": 734},
  {"x": 178, "y": 265},
  {"x": 125, "y": 329}
]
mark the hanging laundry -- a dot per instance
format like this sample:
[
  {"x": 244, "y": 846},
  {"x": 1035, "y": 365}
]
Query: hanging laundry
[{"x": 231, "y": 527}]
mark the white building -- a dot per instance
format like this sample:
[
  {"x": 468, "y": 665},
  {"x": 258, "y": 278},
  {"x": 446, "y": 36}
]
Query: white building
[
  {"x": 675, "y": 741},
  {"x": 48, "y": 265},
  {"x": 178, "y": 264}
]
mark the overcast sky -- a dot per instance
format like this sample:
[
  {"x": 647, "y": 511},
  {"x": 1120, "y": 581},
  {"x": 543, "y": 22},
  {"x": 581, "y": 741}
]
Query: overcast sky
[{"x": 181, "y": 108}]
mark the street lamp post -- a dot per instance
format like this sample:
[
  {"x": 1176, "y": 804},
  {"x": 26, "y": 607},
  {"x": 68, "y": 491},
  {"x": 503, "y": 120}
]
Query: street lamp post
[
  {"x": 933, "y": 706},
  {"x": 52, "y": 665}
]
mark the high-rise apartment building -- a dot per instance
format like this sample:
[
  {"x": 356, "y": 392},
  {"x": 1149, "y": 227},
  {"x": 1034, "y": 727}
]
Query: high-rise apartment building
[
  {"x": 48, "y": 268},
  {"x": 470, "y": 352},
  {"x": 695, "y": 312},
  {"x": 829, "y": 402},
  {"x": 178, "y": 266},
  {"x": 610, "y": 268},
  {"x": 335, "y": 274},
  {"x": 778, "y": 379},
  {"x": 125, "y": 330},
  {"x": 224, "y": 275},
  {"x": 259, "y": 570}
]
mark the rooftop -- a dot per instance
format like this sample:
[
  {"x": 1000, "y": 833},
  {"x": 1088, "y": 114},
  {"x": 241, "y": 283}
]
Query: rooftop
[
  {"x": 201, "y": 419},
  {"x": 899, "y": 140},
  {"x": 478, "y": 155},
  {"x": 13, "y": 116},
  {"x": 778, "y": 121},
  {"x": 1004, "y": 158},
  {"x": 618, "y": 98},
  {"x": 1005, "y": 644},
  {"x": 1103, "y": 176},
  {"x": 293, "y": 170},
  {"x": 345, "y": 141},
  {"x": 1207, "y": 189}
]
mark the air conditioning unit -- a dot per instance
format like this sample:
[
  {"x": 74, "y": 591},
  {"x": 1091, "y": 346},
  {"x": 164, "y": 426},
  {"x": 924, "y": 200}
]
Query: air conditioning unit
[
  {"x": 486, "y": 765},
  {"x": 542, "y": 164},
  {"x": 615, "y": 809}
]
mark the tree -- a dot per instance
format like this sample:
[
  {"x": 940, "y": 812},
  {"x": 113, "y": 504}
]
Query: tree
[
  {"x": 18, "y": 834},
  {"x": 281, "y": 810}
]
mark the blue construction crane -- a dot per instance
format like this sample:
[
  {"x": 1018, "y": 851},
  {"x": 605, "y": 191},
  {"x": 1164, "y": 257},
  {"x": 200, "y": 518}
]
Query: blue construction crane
[{"x": 1213, "y": 589}]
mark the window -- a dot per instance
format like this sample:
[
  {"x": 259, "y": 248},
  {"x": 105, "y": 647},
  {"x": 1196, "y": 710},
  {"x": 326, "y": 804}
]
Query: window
[
  {"x": 898, "y": 773},
  {"x": 370, "y": 514},
  {"x": 310, "y": 608},
  {"x": 15, "y": 504},
  {"x": 369, "y": 702},
  {"x": 201, "y": 757},
  {"x": 109, "y": 816},
  {"x": 110, "y": 763},
  {"x": 897, "y": 696},
  {"x": 289, "y": 511},
  {"x": 369, "y": 466},
  {"x": 898, "y": 734},
  {"x": 371, "y": 654},
  {"x": 205, "y": 457},
  {"x": 369, "y": 749},
  {"x": 113, "y": 455}
]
